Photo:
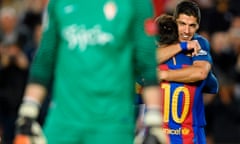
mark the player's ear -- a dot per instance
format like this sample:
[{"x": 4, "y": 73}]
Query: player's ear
[{"x": 197, "y": 27}]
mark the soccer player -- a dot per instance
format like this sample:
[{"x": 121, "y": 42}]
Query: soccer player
[
  {"x": 91, "y": 52},
  {"x": 183, "y": 106},
  {"x": 187, "y": 16}
]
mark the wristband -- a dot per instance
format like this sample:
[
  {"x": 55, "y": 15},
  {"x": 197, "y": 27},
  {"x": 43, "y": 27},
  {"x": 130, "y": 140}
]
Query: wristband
[
  {"x": 183, "y": 46},
  {"x": 31, "y": 100},
  {"x": 153, "y": 117},
  {"x": 29, "y": 108}
]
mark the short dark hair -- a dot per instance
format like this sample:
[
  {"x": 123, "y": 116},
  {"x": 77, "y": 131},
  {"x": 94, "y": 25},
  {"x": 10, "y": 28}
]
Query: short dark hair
[
  {"x": 167, "y": 29},
  {"x": 189, "y": 8}
]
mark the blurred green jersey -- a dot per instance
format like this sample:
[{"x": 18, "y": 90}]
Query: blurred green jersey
[{"x": 91, "y": 52}]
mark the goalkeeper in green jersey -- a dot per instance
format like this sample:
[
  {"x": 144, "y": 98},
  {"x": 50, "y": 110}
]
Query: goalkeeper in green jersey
[{"x": 92, "y": 52}]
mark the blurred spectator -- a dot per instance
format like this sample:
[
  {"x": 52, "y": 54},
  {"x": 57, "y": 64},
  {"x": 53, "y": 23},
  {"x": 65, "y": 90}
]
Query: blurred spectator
[
  {"x": 216, "y": 18},
  {"x": 205, "y": 4},
  {"x": 10, "y": 29},
  {"x": 234, "y": 7},
  {"x": 13, "y": 77},
  {"x": 32, "y": 15},
  {"x": 224, "y": 57},
  {"x": 18, "y": 5},
  {"x": 13, "y": 68},
  {"x": 31, "y": 46},
  {"x": 234, "y": 33},
  {"x": 170, "y": 6},
  {"x": 224, "y": 114}
]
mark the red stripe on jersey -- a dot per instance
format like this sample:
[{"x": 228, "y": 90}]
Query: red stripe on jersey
[
  {"x": 165, "y": 125},
  {"x": 187, "y": 129}
]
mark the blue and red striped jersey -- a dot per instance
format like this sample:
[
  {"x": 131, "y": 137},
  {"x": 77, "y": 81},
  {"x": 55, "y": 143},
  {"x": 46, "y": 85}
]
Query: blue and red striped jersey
[{"x": 183, "y": 107}]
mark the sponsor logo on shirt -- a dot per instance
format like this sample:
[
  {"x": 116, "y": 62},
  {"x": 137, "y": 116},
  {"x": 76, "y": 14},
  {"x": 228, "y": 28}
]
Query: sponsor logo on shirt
[
  {"x": 201, "y": 52},
  {"x": 78, "y": 36},
  {"x": 180, "y": 131}
]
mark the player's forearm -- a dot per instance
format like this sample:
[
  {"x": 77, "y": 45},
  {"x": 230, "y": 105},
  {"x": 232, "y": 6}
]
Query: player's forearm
[
  {"x": 36, "y": 92},
  {"x": 185, "y": 75},
  {"x": 152, "y": 96},
  {"x": 153, "y": 115},
  {"x": 165, "y": 53},
  {"x": 179, "y": 76}
]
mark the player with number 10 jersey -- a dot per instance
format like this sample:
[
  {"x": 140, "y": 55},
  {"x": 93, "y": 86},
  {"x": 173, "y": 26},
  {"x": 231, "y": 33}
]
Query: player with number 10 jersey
[{"x": 183, "y": 108}]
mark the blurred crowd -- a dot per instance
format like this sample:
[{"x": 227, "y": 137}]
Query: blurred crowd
[{"x": 20, "y": 32}]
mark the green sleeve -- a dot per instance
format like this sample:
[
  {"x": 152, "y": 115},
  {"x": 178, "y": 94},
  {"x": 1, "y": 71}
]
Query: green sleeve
[
  {"x": 42, "y": 68},
  {"x": 145, "y": 45}
]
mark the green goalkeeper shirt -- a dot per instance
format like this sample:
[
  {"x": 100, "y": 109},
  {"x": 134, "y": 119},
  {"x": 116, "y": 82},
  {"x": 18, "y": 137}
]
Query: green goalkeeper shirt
[{"x": 92, "y": 51}]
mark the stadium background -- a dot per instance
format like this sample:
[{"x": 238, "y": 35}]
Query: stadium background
[{"x": 20, "y": 25}]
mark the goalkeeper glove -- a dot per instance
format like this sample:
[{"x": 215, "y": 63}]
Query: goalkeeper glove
[
  {"x": 28, "y": 131},
  {"x": 154, "y": 133}
]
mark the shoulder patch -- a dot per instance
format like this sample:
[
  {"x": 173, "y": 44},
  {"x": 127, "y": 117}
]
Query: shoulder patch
[{"x": 201, "y": 52}]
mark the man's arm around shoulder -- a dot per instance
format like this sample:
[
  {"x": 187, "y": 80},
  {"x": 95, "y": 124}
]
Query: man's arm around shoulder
[{"x": 198, "y": 71}]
